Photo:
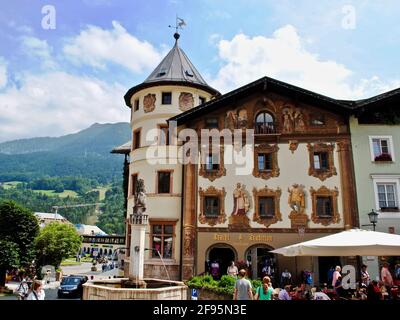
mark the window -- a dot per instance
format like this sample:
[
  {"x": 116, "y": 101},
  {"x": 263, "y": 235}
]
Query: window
[
  {"x": 212, "y": 162},
  {"x": 264, "y": 123},
  {"x": 134, "y": 178},
  {"x": 381, "y": 148},
  {"x": 387, "y": 196},
  {"x": 163, "y": 137},
  {"x": 265, "y": 161},
  {"x": 321, "y": 161},
  {"x": 136, "y": 107},
  {"x": 136, "y": 139},
  {"x": 202, "y": 100},
  {"x": 166, "y": 98},
  {"x": 324, "y": 207},
  {"x": 162, "y": 73},
  {"x": 212, "y": 123},
  {"x": 212, "y": 210},
  {"x": 162, "y": 239},
  {"x": 164, "y": 182},
  {"x": 266, "y": 206},
  {"x": 211, "y": 205}
]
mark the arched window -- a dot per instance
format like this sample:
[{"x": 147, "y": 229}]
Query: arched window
[{"x": 265, "y": 123}]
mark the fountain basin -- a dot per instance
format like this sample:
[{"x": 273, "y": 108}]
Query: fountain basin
[{"x": 112, "y": 289}]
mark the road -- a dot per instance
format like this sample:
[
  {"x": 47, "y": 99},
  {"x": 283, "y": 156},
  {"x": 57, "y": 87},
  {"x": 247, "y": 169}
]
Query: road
[{"x": 51, "y": 289}]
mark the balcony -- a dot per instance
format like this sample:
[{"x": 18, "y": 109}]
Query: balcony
[
  {"x": 265, "y": 128},
  {"x": 139, "y": 219}
]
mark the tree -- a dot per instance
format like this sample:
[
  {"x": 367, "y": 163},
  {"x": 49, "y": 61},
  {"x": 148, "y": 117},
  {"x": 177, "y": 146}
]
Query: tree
[
  {"x": 55, "y": 242},
  {"x": 9, "y": 258},
  {"x": 18, "y": 229}
]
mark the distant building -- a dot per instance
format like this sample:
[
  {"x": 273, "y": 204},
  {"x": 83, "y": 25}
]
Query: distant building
[
  {"x": 46, "y": 218},
  {"x": 88, "y": 230}
]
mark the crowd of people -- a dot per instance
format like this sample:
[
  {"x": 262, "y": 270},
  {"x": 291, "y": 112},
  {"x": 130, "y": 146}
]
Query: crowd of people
[{"x": 387, "y": 288}]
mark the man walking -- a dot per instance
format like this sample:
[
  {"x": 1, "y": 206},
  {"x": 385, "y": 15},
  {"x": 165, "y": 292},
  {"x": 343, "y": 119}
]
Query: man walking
[{"x": 243, "y": 290}]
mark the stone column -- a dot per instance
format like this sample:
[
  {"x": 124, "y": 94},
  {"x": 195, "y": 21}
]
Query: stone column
[
  {"x": 348, "y": 191},
  {"x": 189, "y": 222},
  {"x": 138, "y": 237}
]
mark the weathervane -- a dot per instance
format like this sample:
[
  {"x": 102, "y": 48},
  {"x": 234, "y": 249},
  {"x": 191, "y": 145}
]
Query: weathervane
[{"x": 179, "y": 24}]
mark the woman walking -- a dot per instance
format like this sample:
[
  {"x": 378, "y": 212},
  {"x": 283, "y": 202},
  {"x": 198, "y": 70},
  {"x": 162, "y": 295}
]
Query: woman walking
[{"x": 265, "y": 291}]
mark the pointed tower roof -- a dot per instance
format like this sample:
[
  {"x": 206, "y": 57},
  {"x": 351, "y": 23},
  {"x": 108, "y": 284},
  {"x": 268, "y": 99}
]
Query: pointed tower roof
[{"x": 175, "y": 68}]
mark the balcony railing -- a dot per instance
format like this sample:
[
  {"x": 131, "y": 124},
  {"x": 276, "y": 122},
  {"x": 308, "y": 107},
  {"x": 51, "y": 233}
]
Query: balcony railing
[
  {"x": 139, "y": 219},
  {"x": 265, "y": 128}
]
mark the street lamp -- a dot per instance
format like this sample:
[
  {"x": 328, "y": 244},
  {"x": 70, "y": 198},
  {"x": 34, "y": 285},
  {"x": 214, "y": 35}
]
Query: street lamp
[{"x": 373, "y": 219}]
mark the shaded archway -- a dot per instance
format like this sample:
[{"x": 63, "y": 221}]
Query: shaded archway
[
  {"x": 218, "y": 258},
  {"x": 262, "y": 261}
]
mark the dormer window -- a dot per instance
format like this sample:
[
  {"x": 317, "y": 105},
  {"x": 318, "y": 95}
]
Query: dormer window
[
  {"x": 161, "y": 73},
  {"x": 189, "y": 73}
]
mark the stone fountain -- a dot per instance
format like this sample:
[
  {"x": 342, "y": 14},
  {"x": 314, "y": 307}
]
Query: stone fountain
[{"x": 136, "y": 287}]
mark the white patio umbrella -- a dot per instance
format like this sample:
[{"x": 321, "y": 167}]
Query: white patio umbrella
[{"x": 354, "y": 242}]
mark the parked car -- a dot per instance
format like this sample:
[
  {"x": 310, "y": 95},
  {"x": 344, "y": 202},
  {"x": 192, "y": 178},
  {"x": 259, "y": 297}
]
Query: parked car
[{"x": 71, "y": 286}]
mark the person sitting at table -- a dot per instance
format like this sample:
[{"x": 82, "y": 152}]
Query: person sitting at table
[
  {"x": 284, "y": 294},
  {"x": 373, "y": 291},
  {"x": 317, "y": 294},
  {"x": 383, "y": 290}
]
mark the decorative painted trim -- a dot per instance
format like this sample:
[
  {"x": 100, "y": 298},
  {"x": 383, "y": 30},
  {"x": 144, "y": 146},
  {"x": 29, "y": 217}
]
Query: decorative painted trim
[
  {"x": 266, "y": 192},
  {"x": 293, "y": 145},
  {"x": 266, "y": 148},
  {"x": 213, "y": 192},
  {"x": 270, "y": 230},
  {"x": 325, "y": 192},
  {"x": 149, "y": 102},
  {"x": 213, "y": 174},
  {"x": 318, "y": 173},
  {"x": 186, "y": 101}
]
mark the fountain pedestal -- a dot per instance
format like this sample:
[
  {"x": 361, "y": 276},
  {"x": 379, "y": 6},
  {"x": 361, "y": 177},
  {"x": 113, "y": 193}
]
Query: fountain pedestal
[{"x": 138, "y": 236}]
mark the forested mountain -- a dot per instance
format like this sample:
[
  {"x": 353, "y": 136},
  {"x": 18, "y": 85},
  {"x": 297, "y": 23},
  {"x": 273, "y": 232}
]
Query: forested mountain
[{"x": 85, "y": 154}]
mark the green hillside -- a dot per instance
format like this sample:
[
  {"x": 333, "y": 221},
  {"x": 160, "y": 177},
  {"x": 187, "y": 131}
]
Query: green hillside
[{"x": 84, "y": 154}]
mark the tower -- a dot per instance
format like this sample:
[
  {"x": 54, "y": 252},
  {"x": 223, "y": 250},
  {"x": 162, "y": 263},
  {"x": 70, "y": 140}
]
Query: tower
[{"x": 173, "y": 87}]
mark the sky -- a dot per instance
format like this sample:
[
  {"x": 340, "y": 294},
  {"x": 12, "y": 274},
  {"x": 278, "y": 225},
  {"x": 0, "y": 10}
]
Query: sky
[{"x": 65, "y": 65}]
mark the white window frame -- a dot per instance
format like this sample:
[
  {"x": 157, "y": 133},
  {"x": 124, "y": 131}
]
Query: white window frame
[
  {"x": 390, "y": 145},
  {"x": 386, "y": 179}
]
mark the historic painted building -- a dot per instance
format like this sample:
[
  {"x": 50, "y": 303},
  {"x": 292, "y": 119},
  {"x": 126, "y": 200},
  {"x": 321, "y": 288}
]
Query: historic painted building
[
  {"x": 375, "y": 133},
  {"x": 173, "y": 87},
  {"x": 313, "y": 166},
  {"x": 300, "y": 186}
]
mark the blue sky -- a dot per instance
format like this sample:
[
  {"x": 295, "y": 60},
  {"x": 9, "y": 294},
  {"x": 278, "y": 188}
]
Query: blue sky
[{"x": 62, "y": 80}]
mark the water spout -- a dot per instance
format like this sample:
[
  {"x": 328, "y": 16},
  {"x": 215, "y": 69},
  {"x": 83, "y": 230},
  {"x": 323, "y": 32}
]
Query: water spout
[{"x": 162, "y": 261}]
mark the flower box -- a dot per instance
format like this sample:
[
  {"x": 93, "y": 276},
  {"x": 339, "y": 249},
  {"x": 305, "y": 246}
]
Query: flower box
[{"x": 384, "y": 157}]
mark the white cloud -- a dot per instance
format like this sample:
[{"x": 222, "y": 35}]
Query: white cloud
[
  {"x": 97, "y": 47},
  {"x": 284, "y": 57},
  {"x": 40, "y": 49},
  {"x": 3, "y": 73},
  {"x": 57, "y": 103}
]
